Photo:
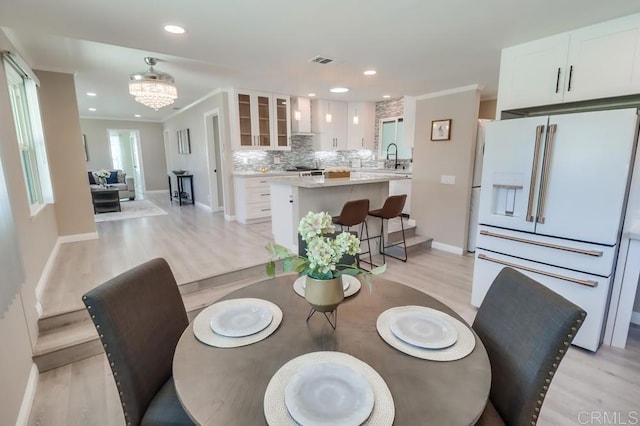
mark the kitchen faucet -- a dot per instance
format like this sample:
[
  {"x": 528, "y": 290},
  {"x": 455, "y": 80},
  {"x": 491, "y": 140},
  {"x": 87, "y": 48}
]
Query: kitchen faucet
[{"x": 395, "y": 166}]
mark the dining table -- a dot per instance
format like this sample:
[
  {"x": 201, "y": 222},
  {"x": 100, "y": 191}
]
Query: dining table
[{"x": 226, "y": 386}]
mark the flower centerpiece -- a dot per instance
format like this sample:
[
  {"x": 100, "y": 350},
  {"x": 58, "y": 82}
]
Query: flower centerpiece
[
  {"x": 324, "y": 252},
  {"x": 102, "y": 176}
]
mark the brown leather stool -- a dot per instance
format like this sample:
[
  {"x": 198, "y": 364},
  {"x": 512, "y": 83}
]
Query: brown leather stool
[
  {"x": 355, "y": 213},
  {"x": 392, "y": 207}
]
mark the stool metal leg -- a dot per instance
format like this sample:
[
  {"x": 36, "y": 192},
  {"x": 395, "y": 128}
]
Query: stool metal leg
[{"x": 403, "y": 243}]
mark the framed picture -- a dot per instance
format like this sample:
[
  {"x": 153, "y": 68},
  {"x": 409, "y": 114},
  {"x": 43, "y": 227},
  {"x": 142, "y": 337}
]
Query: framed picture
[
  {"x": 184, "y": 142},
  {"x": 441, "y": 130},
  {"x": 84, "y": 145}
]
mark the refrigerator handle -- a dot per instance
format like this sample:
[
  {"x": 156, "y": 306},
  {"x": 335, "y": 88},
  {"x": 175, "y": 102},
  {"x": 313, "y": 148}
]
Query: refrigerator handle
[
  {"x": 534, "y": 171},
  {"x": 546, "y": 165},
  {"x": 587, "y": 283}
]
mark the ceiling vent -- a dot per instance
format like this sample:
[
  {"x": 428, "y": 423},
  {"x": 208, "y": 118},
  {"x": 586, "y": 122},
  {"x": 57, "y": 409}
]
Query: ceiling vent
[{"x": 321, "y": 60}]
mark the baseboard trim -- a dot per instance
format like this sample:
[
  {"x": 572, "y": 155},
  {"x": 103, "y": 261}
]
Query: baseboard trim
[
  {"x": 446, "y": 247},
  {"x": 29, "y": 395},
  {"x": 204, "y": 206},
  {"x": 78, "y": 237},
  {"x": 635, "y": 318},
  {"x": 229, "y": 218},
  {"x": 157, "y": 191},
  {"x": 46, "y": 271}
]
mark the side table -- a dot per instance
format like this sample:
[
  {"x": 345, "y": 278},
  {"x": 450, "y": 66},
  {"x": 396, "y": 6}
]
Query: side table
[
  {"x": 181, "y": 196},
  {"x": 105, "y": 200}
]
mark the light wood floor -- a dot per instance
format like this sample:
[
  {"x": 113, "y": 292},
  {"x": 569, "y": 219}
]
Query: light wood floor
[
  {"x": 83, "y": 393},
  {"x": 195, "y": 242}
]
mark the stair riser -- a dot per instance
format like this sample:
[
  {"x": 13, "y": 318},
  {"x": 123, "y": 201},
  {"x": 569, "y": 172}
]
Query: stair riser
[
  {"x": 78, "y": 351},
  {"x": 49, "y": 361}
]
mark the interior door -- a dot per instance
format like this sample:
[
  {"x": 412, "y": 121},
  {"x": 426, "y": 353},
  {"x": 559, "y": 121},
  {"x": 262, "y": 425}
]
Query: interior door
[
  {"x": 588, "y": 172},
  {"x": 511, "y": 166}
]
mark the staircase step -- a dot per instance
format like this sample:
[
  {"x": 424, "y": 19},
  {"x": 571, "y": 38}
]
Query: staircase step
[{"x": 71, "y": 336}]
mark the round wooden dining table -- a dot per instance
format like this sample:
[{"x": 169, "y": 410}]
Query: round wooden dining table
[{"x": 220, "y": 386}]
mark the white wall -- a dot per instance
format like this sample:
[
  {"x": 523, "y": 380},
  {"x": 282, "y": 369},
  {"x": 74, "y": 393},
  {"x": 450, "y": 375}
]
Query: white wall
[
  {"x": 36, "y": 237},
  {"x": 151, "y": 143},
  {"x": 441, "y": 210},
  {"x": 196, "y": 162}
]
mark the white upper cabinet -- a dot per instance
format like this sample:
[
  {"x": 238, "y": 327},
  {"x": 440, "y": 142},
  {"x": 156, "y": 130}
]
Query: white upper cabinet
[
  {"x": 260, "y": 121},
  {"x": 594, "y": 62},
  {"x": 604, "y": 60},
  {"x": 360, "y": 125},
  {"x": 532, "y": 73},
  {"x": 329, "y": 122}
]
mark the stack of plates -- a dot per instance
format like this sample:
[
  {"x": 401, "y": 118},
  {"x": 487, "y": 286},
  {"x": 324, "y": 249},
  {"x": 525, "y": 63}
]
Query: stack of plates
[
  {"x": 241, "y": 319},
  {"x": 328, "y": 388},
  {"x": 425, "y": 333},
  {"x": 237, "y": 322},
  {"x": 328, "y": 394}
]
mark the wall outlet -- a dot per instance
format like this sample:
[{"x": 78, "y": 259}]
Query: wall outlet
[
  {"x": 276, "y": 160},
  {"x": 448, "y": 180}
]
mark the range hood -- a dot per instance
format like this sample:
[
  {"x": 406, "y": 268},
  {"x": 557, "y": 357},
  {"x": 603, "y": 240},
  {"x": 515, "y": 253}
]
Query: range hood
[{"x": 301, "y": 116}]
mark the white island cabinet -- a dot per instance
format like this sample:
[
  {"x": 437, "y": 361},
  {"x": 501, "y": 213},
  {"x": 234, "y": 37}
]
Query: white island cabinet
[{"x": 293, "y": 198}]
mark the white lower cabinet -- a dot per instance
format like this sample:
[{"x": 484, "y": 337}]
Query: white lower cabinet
[
  {"x": 591, "y": 295},
  {"x": 399, "y": 187},
  {"x": 253, "y": 199}
]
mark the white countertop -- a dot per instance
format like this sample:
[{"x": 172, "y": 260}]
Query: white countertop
[
  {"x": 357, "y": 178},
  {"x": 277, "y": 173}
]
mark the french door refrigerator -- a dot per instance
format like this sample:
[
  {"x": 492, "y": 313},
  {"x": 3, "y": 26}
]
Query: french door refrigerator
[{"x": 554, "y": 190}]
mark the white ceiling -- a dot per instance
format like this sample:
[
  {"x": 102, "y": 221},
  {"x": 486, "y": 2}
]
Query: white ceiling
[{"x": 417, "y": 46}]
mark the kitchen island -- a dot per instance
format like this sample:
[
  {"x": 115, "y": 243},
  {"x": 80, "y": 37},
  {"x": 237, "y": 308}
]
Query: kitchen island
[{"x": 293, "y": 197}]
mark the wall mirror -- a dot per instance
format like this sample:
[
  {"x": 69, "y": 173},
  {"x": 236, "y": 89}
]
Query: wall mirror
[{"x": 184, "y": 142}]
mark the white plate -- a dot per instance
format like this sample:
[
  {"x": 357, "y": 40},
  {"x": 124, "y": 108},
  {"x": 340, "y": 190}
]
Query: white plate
[
  {"x": 345, "y": 283},
  {"x": 328, "y": 394},
  {"x": 352, "y": 287},
  {"x": 424, "y": 330},
  {"x": 241, "y": 319}
]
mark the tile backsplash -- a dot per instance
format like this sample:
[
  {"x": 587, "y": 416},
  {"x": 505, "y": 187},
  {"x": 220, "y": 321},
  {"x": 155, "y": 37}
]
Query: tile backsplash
[{"x": 302, "y": 154}]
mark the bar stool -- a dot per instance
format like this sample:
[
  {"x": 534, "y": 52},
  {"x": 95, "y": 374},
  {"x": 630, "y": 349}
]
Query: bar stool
[
  {"x": 355, "y": 213},
  {"x": 392, "y": 207}
]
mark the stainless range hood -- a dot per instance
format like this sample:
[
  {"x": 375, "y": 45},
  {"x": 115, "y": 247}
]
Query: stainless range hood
[{"x": 301, "y": 116}]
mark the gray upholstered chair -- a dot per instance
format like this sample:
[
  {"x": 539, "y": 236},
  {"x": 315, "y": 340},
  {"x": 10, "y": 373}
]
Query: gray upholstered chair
[
  {"x": 526, "y": 329},
  {"x": 139, "y": 316}
]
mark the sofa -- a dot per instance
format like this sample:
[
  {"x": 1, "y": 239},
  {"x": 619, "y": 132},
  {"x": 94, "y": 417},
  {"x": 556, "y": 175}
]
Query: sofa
[{"x": 118, "y": 180}]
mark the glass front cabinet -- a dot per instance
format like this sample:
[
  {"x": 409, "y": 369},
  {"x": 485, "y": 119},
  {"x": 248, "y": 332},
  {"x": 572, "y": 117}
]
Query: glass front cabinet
[{"x": 262, "y": 121}]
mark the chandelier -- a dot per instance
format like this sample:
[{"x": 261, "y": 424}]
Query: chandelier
[{"x": 153, "y": 88}]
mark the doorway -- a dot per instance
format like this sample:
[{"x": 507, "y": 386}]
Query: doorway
[
  {"x": 214, "y": 160},
  {"x": 124, "y": 145}
]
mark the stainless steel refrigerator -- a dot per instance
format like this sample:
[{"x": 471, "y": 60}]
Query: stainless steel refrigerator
[{"x": 554, "y": 190}]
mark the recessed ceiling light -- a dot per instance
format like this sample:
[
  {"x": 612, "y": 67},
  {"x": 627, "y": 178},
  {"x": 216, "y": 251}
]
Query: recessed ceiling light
[
  {"x": 311, "y": 95},
  {"x": 370, "y": 72},
  {"x": 386, "y": 96},
  {"x": 339, "y": 90},
  {"x": 174, "y": 29},
  {"x": 137, "y": 115},
  {"x": 91, "y": 94},
  {"x": 92, "y": 109}
]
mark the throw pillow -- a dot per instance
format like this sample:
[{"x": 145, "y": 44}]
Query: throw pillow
[
  {"x": 113, "y": 177},
  {"x": 121, "y": 176},
  {"x": 92, "y": 181}
]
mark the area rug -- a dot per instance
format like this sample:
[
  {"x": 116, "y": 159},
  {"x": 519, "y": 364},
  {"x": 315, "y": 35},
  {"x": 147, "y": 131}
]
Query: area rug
[{"x": 131, "y": 210}]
